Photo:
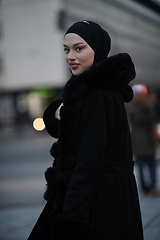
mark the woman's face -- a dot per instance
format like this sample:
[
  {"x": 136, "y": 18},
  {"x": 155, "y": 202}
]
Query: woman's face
[{"x": 79, "y": 55}]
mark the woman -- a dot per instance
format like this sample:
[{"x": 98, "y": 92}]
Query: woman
[{"x": 91, "y": 191}]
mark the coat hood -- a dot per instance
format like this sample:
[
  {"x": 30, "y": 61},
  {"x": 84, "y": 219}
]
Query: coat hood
[{"x": 113, "y": 72}]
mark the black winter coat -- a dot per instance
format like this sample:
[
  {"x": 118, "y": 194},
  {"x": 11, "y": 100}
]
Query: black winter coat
[{"x": 92, "y": 193}]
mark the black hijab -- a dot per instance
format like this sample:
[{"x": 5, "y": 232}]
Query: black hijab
[{"x": 97, "y": 38}]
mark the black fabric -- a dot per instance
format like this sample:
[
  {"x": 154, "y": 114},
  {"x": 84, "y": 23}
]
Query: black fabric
[
  {"x": 98, "y": 38},
  {"x": 70, "y": 226},
  {"x": 50, "y": 121},
  {"x": 91, "y": 185},
  {"x": 120, "y": 170}
]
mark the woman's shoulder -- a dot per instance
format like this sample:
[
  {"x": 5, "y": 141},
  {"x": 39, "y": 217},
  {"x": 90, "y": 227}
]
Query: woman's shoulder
[
  {"x": 100, "y": 93},
  {"x": 108, "y": 94},
  {"x": 100, "y": 97}
]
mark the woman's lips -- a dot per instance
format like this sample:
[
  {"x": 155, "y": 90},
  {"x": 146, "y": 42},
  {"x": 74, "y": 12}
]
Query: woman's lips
[{"x": 73, "y": 65}]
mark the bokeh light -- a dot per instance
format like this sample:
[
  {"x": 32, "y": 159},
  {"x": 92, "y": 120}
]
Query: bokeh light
[
  {"x": 140, "y": 89},
  {"x": 38, "y": 124}
]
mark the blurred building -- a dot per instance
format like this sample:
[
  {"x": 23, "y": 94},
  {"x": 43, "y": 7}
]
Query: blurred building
[
  {"x": 31, "y": 39},
  {"x": 31, "y": 51}
]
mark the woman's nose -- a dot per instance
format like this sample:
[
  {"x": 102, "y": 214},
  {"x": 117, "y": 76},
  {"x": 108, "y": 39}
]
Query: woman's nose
[{"x": 71, "y": 55}]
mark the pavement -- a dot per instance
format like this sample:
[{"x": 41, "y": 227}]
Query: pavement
[
  {"x": 24, "y": 158},
  {"x": 150, "y": 210}
]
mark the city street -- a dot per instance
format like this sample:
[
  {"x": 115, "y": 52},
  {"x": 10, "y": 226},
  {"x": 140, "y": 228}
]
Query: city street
[
  {"x": 113, "y": 48},
  {"x": 24, "y": 158}
]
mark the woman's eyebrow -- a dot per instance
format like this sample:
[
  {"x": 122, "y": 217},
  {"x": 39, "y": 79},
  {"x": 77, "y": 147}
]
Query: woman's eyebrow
[
  {"x": 74, "y": 44},
  {"x": 78, "y": 43}
]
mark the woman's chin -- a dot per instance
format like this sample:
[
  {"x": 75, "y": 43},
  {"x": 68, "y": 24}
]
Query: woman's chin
[{"x": 76, "y": 72}]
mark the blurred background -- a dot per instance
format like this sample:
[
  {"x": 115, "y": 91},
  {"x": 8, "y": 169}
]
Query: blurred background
[{"x": 33, "y": 73}]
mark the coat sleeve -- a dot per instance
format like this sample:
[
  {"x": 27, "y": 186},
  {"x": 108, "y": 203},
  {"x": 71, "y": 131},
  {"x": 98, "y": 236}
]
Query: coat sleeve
[
  {"x": 49, "y": 119},
  {"x": 74, "y": 222}
]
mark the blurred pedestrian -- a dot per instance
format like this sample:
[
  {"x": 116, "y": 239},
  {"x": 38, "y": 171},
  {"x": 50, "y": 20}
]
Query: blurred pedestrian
[
  {"x": 92, "y": 192},
  {"x": 144, "y": 138}
]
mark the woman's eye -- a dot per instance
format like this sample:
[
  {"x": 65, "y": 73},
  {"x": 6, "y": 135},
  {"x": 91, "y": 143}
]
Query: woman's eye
[
  {"x": 66, "y": 50},
  {"x": 79, "y": 49}
]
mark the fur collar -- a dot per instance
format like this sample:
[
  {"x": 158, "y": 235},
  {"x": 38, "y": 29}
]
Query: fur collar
[{"x": 115, "y": 71}]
